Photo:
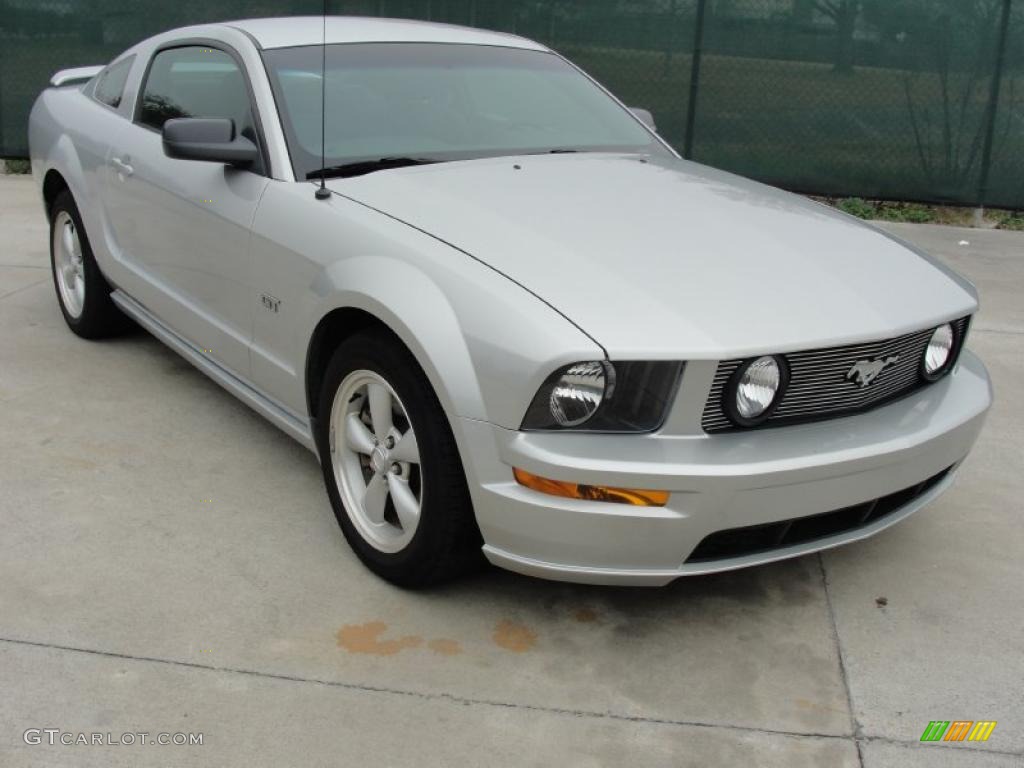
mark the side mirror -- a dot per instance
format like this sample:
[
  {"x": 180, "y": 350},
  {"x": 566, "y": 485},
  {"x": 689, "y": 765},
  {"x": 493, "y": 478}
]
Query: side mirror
[
  {"x": 211, "y": 139},
  {"x": 644, "y": 116}
]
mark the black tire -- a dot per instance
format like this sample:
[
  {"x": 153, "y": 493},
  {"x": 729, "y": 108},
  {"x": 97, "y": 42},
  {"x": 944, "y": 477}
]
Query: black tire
[
  {"x": 447, "y": 541},
  {"x": 99, "y": 317}
]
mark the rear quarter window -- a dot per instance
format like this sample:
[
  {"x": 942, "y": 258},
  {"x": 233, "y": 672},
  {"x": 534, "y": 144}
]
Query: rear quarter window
[{"x": 110, "y": 84}]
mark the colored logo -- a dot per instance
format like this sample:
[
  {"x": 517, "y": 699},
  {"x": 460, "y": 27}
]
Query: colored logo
[{"x": 958, "y": 730}]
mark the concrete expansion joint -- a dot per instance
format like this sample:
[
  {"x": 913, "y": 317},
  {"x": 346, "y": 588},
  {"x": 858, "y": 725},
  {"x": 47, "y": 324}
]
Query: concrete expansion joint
[
  {"x": 23, "y": 288},
  {"x": 428, "y": 695},
  {"x": 855, "y": 726},
  {"x": 1000, "y": 331},
  {"x": 857, "y": 737},
  {"x": 953, "y": 747}
]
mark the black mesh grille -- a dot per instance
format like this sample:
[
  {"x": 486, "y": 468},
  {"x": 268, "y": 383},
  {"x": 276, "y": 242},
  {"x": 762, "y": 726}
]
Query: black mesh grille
[
  {"x": 752, "y": 539},
  {"x": 819, "y": 385}
]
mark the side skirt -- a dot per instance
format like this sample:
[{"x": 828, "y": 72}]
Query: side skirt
[{"x": 288, "y": 422}]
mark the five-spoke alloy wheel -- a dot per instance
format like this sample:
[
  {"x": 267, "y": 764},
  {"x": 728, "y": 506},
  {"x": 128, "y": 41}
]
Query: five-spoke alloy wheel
[
  {"x": 68, "y": 265},
  {"x": 82, "y": 292},
  {"x": 376, "y": 460},
  {"x": 391, "y": 465}
]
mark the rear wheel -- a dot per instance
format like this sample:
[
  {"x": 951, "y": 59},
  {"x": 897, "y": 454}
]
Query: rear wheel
[
  {"x": 82, "y": 292},
  {"x": 391, "y": 465}
]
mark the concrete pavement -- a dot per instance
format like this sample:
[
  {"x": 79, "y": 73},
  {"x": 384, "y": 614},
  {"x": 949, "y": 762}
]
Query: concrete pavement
[{"x": 169, "y": 563}]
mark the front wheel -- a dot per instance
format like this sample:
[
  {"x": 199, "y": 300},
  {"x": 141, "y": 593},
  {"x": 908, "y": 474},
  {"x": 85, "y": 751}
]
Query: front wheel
[{"x": 391, "y": 465}]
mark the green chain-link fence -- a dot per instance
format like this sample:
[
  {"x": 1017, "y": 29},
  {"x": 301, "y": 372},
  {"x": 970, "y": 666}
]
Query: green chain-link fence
[{"x": 897, "y": 99}]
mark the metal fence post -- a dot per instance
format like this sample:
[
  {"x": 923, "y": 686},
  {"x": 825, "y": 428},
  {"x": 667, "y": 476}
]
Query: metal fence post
[
  {"x": 993, "y": 105},
  {"x": 3, "y": 69},
  {"x": 691, "y": 107}
]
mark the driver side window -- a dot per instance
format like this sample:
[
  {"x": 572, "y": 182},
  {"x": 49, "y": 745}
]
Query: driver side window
[{"x": 196, "y": 81}]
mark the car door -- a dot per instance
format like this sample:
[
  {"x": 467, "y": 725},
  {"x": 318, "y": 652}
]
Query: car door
[{"x": 182, "y": 226}]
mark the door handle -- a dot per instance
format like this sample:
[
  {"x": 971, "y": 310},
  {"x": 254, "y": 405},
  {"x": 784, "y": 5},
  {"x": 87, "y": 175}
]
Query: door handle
[{"x": 122, "y": 167}]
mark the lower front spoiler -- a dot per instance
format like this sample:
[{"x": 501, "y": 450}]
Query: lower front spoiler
[{"x": 658, "y": 578}]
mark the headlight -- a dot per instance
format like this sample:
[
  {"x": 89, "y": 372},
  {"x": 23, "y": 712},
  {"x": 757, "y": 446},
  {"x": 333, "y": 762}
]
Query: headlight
[
  {"x": 756, "y": 389},
  {"x": 939, "y": 352},
  {"x": 599, "y": 396},
  {"x": 578, "y": 392}
]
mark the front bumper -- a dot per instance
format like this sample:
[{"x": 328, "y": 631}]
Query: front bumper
[{"x": 717, "y": 482}]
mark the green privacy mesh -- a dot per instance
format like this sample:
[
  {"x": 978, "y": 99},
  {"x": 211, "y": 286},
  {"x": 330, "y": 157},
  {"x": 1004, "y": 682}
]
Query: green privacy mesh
[{"x": 900, "y": 99}]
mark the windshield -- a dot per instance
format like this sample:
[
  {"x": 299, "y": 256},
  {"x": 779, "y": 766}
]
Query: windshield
[{"x": 442, "y": 102}]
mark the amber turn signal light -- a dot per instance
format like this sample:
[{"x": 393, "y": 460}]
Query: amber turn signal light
[{"x": 568, "y": 490}]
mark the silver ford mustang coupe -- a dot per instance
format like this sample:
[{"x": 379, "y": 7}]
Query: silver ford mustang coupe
[{"x": 503, "y": 313}]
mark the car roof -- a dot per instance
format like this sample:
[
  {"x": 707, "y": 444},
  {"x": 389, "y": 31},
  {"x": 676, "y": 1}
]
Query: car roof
[{"x": 289, "y": 31}]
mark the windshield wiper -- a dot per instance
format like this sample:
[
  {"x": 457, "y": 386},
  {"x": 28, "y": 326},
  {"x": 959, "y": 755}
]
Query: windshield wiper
[{"x": 361, "y": 167}]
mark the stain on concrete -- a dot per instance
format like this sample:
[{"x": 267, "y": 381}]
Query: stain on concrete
[
  {"x": 176, "y": 366},
  {"x": 586, "y": 615},
  {"x": 366, "y": 638},
  {"x": 513, "y": 636},
  {"x": 77, "y": 462},
  {"x": 807, "y": 704},
  {"x": 445, "y": 646}
]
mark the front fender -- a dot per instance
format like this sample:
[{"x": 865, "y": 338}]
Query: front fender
[
  {"x": 412, "y": 305},
  {"x": 485, "y": 343}
]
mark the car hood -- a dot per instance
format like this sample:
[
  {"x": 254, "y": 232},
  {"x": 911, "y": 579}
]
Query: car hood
[{"x": 667, "y": 259}]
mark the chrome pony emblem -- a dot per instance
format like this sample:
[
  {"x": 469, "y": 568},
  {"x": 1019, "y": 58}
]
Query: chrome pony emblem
[{"x": 864, "y": 372}]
